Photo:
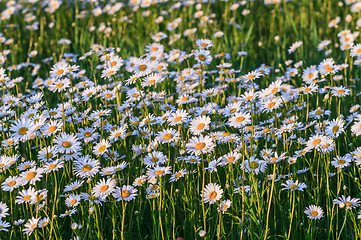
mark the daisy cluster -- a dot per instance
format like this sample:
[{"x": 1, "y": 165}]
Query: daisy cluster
[{"x": 118, "y": 136}]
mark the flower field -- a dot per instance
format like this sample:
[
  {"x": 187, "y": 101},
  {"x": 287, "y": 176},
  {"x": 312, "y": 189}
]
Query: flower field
[{"x": 194, "y": 119}]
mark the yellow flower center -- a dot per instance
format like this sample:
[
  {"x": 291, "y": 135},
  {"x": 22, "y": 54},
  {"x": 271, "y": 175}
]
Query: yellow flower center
[
  {"x": 253, "y": 164},
  {"x": 201, "y": 126},
  {"x": 22, "y": 131},
  {"x": 212, "y": 195},
  {"x": 59, "y": 85},
  {"x": 159, "y": 172},
  {"x": 66, "y": 144},
  {"x": 60, "y": 71},
  {"x": 11, "y": 184},
  {"x": 200, "y": 146},
  {"x": 316, "y": 142},
  {"x": 87, "y": 168},
  {"x": 125, "y": 194},
  {"x": 102, "y": 148},
  {"x": 202, "y": 57},
  {"x": 313, "y": 213},
  {"x": 240, "y": 119},
  {"x": 52, "y": 128},
  {"x": 30, "y": 175},
  {"x": 104, "y": 188},
  {"x": 142, "y": 67}
]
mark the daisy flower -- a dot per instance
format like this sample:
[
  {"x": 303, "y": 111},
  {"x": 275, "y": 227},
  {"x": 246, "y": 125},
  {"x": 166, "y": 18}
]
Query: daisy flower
[
  {"x": 86, "y": 167},
  {"x": 103, "y": 188},
  {"x": 335, "y": 127},
  {"x": 60, "y": 85},
  {"x": 356, "y": 50},
  {"x": 270, "y": 105},
  {"x": 356, "y": 128},
  {"x": 291, "y": 185},
  {"x": 251, "y": 76},
  {"x": 179, "y": 117},
  {"x": 53, "y": 166},
  {"x": 3, "y": 210},
  {"x": 32, "y": 176},
  {"x": 4, "y": 225},
  {"x": 73, "y": 186},
  {"x": 341, "y": 162},
  {"x": 240, "y": 119},
  {"x": 52, "y": 127},
  {"x": 31, "y": 225},
  {"x": 347, "y": 203},
  {"x": 294, "y": 47},
  {"x": 199, "y": 145},
  {"x": 59, "y": 69},
  {"x": 43, "y": 222},
  {"x": 67, "y": 143},
  {"x": 225, "y": 204},
  {"x": 26, "y": 195},
  {"x": 212, "y": 193},
  {"x": 11, "y": 183},
  {"x": 254, "y": 165},
  {"x": 204, "y": 43},
  {"x": 314, "y": 212},
  {"x": 231, "y": 157},
  {"x": 158, "y": 171},
  {"x": 168, "y": 135},
  {"x": 48, "y": 153},
  {"x": 177, "y": 175},
  {"x": 72, "y": 200},
  {"x": 109, "y": 71},
  {"x": 155, "y": 158},
  {"x": 22, "y": 129},
  {"x": 126, "y": 193},
  {"x": 101, "y": 147},
  {"x": 203, "y": 56},
  {"x": 200, "y": 124}
]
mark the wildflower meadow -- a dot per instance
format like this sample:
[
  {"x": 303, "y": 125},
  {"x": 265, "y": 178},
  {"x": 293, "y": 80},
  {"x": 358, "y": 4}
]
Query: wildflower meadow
[{"x": 170, "y": 119}]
